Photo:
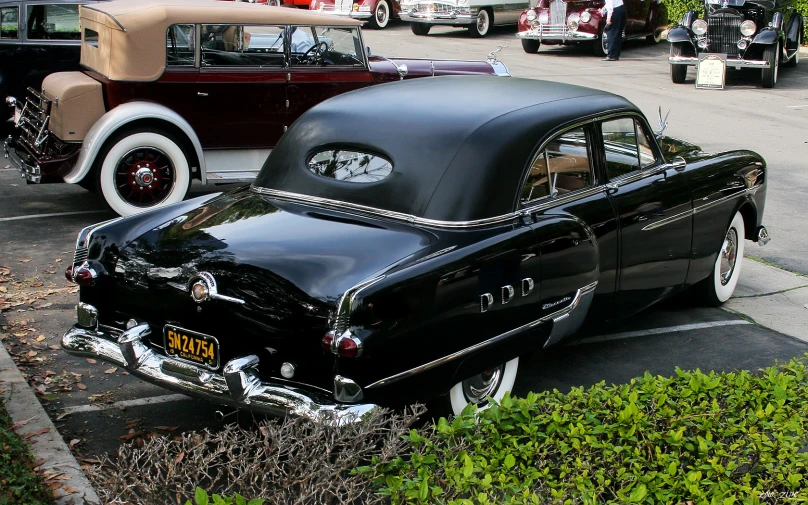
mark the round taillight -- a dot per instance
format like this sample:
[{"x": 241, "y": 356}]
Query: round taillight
[
  {"x": 328, "y": 339},
  {"x": 69, "y": 273},
  {"x": 347, "y": 348},
  {"x": 84, "y": 276}
]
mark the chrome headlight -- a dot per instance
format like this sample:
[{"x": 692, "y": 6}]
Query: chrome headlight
[
  {"x": 748, "y": 28},
  {"x": 544, "y": 18},
  {"x": 585, "y": 17},
  {"x": 572, "y": 21},
  {"x": 699, "y": 27},
  {"x": 531, "y": 15}
]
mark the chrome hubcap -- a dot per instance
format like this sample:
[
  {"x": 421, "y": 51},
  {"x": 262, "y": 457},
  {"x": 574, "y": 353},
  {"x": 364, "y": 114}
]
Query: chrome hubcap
[
  {"x": 729, "y": 252},
  {"x": 476, "y": 389},
  {"x": 381, "y": 14},
  {"x": 144, "y": 176},
  {"x": 482, "y": 22}
]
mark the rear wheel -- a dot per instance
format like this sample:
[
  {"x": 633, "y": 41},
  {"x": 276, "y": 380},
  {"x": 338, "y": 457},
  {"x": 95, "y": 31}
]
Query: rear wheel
[
  {"x": 381, "y": 15},
  {"x": 656, "y": 37},
  {"x": 678, "y": 72},
  {"x": 796, "y": 58},
  {"x": 771, "y": 55},
  {"x": 420, "y": 28},
  {"x": 719, "y": 286},
  {"x": 491, "y": 383},
  {"x": 531, "y": 46},
  {"x": 141, "y": 170},
  {"x": 483, "y": 24}
]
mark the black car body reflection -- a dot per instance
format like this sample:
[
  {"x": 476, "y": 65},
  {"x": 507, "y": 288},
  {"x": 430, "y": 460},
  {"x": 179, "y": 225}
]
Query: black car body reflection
[{"x": 372, "y": 266}]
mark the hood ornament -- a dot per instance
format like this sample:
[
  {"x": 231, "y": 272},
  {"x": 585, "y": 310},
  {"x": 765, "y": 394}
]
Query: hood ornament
[
  {"x": 663, "y": 123},
  {"x": 492, "y": 56},
  {"x": 203, "y": 287}
]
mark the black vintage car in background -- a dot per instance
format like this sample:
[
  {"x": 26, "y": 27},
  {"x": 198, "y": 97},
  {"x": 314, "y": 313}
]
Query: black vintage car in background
[
  {"x": 36, "y": 38},
  {"x": 760, "y": 34},
  {"x": 363, "y": 268}
]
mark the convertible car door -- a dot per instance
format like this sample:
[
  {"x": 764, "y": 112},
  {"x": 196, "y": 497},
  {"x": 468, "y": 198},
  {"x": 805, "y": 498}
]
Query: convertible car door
[
  {"x": 653, "y": 205},
  {"x": 574, "y": 223}
]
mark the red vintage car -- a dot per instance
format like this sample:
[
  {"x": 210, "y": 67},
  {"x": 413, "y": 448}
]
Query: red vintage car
[
  {"x": 376, "y": 12},
  {"x": 191, "y": 89},
  {"x": 555, "y": 22}
]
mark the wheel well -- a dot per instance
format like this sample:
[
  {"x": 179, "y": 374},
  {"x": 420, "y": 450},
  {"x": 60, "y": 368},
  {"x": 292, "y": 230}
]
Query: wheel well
[
  {"x": 749, "y": 215},
  {"x": 186, "y": 144}
]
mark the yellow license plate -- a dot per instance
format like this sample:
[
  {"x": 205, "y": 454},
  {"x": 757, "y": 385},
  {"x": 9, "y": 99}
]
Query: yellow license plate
[{"x": 191, "y": 346}]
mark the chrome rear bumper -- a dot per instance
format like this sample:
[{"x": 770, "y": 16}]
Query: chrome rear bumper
[
  {"x": 693, "y": 60},
  {"x": 238, "y": 385},
  {"x": 350, "y": 14},
  {"x": 440, "y": 18},
  {"x": 29, "y": 172}
]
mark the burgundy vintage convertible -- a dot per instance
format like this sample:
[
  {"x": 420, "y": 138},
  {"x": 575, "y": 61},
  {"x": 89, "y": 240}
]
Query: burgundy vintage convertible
[{"x": 190, "y": 89}]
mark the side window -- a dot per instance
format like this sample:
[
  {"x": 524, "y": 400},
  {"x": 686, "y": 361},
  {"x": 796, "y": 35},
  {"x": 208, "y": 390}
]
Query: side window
[
  {"x": 350, "y": 166},
  {"x": 9, "y": 23},
  {"x": 53, "y": 22},
  {"x": 239, "y": 46},
  {"x": 627, "y": 147},
  {"x": 323, "y": 45},
  {"x": 179, "y": 45},
  {"x": 91, "y": 37},
  {"x": 562, "y": 167}
]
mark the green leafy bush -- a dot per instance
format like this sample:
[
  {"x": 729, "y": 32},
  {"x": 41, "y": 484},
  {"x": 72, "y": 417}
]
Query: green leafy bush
[
  {"x": 201, "y": 497},
  {"x": 678, "y": 8},
  {"x": 706, "y": 438},
  {"x": 18, "y": 482}
]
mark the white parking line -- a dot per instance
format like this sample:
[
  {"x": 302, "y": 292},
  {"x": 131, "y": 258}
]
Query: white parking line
[
  {"x": 152, "y": 400},
  {"x": 35, "y": 216},
  {"x": 660, "y": 331},
  {"x": 796, "y": 106}
]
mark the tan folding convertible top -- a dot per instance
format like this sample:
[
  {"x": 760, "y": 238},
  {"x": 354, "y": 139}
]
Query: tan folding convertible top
[{"x": 132, "y": 33}]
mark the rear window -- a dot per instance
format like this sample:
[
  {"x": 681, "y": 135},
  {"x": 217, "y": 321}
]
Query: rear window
[
  {"x": 350, "y": 166},
  {"x": 91, "y": 37},
  {"x": 53, "y": 22}
]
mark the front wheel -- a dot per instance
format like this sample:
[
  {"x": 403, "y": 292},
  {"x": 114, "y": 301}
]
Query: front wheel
[
  {"x": 420, "y": 28},
  {"x": 771, "y": 55},
  {"x": 491, "y": 383},
  {"x": 599, "y": 46},
  {"x": 381, "y": 15},
  {"x": 142, "y": 170},
  {"x": 483, "y": 24},
  {"x": 531, "y": 46},
  {"x": 678, "y": 72},
  {"x": 719, "y": 286}
]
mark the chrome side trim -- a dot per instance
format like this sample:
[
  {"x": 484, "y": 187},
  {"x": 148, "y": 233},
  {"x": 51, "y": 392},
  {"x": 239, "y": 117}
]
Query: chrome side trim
[
  {"x": 238, "y": 386},
  {"x": 558, "y": 315},
  {"x": 118, "y": 118},
  {"x": 344, "y": 308},
  {"x": 373, "y": 211},
  {"x": 700, "y": 208}
]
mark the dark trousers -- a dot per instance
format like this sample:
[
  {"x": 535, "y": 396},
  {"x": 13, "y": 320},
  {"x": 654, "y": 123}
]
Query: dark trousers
[{"x": 614, "y": 37}]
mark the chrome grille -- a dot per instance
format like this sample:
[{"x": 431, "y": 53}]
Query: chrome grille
[
  {"x": 435, "y": 8},
  {"x": 558, "y": 12},
  {"x": 34, "y": 120},
  {"x": 343, "y": 5},
  {"x": 723, "y": 31}
]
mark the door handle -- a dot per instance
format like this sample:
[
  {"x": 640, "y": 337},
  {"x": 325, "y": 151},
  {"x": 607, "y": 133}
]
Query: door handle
[{"x": 199, "y": 93}]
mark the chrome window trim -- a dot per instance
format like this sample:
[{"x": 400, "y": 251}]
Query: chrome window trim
[
  {"x": 374, "y": 211},
  {"x": 485, "y": 343},
  {"x": 642, "y": 173}
]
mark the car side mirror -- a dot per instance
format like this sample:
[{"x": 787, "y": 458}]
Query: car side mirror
[
  {"x": 402, "y": 70},
  {"x": 367, "y": 50}
]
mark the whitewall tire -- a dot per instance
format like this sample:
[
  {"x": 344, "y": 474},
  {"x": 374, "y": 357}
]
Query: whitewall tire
[
  {"x": 493, "y": 383},
  {"x": 718, "y": 288},
  {"x": 142, "y": 170},
  {"x": 482, "y": 25},
  {"x": 381, "y": 15}
]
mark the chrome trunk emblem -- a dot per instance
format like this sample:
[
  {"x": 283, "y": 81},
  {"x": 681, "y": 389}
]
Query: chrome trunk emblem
[{"x": 203, "y": 287}]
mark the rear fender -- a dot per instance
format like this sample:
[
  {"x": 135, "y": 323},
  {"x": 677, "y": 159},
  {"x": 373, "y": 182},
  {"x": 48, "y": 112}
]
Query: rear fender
[{"x": 118, "y": 118}]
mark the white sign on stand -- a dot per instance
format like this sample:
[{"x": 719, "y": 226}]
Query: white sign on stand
[{"x": 711, "y": 72}]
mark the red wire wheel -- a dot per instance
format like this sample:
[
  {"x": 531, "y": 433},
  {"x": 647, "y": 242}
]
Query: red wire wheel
[{"x": 144, "y": 176}]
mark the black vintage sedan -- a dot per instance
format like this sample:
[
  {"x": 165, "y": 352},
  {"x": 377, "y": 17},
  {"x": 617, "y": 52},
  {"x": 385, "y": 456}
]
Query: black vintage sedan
[{"x": 415, "y": 257}]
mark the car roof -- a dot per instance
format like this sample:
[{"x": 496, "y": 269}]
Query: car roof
[
  {"x": 132, "y": 33},
  {"x": 459, "y": 145}
]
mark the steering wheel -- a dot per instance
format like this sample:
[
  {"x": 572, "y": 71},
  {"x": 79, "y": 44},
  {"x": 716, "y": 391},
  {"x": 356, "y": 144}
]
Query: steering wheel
[{"x": 316, "y": 51}]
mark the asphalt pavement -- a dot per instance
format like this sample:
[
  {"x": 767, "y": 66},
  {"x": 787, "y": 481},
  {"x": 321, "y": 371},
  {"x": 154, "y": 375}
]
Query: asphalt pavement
[{"x": 97, "y": 406}]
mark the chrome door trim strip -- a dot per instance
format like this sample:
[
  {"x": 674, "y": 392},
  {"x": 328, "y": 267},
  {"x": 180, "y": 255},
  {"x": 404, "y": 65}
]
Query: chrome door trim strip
[
  {"x": 668, "y": 220},
  {"x": 374, "y": 211},
  {"x": 432, "y": 364},
  {"x": 701, "y": 208}
]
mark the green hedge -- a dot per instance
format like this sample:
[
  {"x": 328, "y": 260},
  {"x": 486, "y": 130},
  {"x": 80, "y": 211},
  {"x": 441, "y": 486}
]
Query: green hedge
[{"x": 707, "y": 438}]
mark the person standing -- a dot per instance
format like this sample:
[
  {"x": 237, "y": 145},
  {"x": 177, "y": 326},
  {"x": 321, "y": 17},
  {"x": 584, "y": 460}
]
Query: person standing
[{"x": 615, "y": 24}]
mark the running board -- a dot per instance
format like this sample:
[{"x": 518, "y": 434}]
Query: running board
[{"x": 228, "y": 177}]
